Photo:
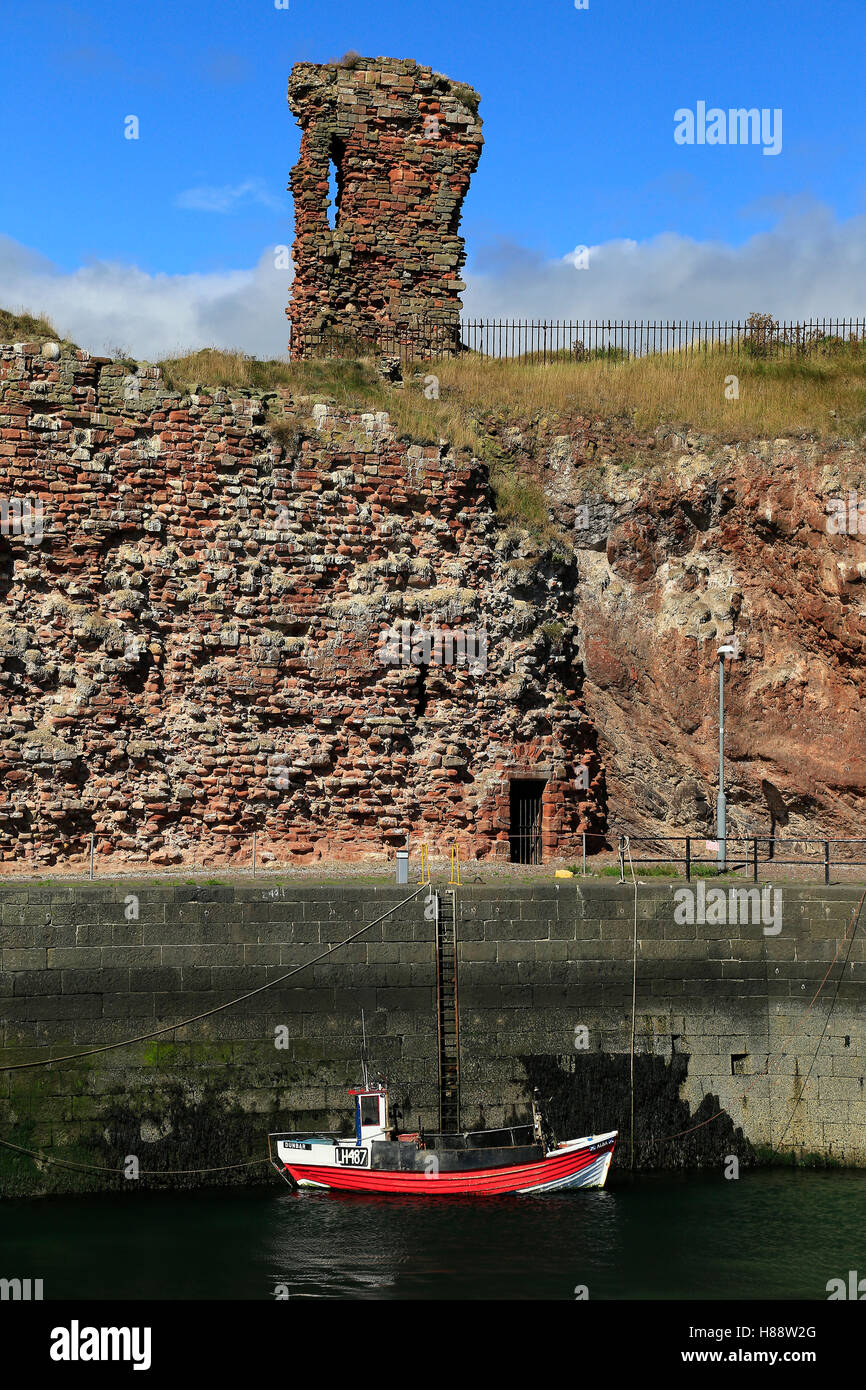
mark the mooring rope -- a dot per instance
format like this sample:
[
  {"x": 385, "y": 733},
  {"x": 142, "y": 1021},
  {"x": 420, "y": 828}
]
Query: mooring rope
[
  {"x": 627, "y": 847},
  {"x": 778, "y": 1056},
  {"x": 171, "y": 1027},
  {"x": 145, "y": 1172},
  {"x": 143, "y": 1037}
]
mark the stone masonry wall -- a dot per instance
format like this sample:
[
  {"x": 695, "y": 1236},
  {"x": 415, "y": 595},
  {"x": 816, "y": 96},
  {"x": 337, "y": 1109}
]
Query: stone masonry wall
[
  {"x": 190, "y": 647},
  {"x": 404, "y": 142},
  {"x": 723, "y": 1022}
]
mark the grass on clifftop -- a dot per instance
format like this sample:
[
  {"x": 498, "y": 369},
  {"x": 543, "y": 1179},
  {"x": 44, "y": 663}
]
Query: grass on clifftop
[
  {"x": 470, "y": 399},
  {"x": 26, "y": 328},
  {"x": 822, "y": 393},
  {"x": 347, "y": 381}
]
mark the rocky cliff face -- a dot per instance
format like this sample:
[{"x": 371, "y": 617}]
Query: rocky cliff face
[
  {"x": 682, "y": 541},
  {"x": 204, "y": 621}
]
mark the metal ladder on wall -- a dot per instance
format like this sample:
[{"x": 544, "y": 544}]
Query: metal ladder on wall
[{"x": 447, "y": 1012}]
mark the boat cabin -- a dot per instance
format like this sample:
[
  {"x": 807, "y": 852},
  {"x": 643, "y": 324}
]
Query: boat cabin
[{"x": 371, "y": 1113}]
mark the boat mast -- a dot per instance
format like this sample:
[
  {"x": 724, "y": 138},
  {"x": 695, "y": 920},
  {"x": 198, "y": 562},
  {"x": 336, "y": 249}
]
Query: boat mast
[{"x": 364, "y": 1051}]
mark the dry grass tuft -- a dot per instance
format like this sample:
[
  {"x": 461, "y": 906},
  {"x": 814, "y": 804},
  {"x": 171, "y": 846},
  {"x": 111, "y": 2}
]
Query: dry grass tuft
[
  {"x": 822, "y": 393},
  {"x": 26, "y": 328}
]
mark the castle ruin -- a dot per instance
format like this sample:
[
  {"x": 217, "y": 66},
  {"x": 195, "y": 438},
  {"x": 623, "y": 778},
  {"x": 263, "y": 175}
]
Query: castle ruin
[{"x": 403, "y": 143}]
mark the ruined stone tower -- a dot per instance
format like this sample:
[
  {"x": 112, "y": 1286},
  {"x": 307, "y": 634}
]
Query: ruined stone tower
[{"x": 404, "y": 142}]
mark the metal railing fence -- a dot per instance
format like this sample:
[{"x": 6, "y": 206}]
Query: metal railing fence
[
  {"x": 550, "y": 340},
  {"x": 754, "y": 852}
]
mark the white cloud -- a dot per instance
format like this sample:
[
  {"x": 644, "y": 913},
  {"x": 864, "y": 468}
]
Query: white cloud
[
  {"x": 107, "y": 305},
  {"x": 228, "y": 197},
  {"x": 809, "y": 265}
]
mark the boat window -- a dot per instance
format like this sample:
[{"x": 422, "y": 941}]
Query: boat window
[{"x": 369, "y": 1110}]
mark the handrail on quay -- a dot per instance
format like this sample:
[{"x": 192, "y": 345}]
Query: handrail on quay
[{"x": 749, "y": 857}]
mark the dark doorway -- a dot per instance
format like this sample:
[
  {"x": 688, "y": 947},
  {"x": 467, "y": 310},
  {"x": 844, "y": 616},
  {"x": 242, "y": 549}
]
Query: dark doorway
[{"x": 524, "y": 830}]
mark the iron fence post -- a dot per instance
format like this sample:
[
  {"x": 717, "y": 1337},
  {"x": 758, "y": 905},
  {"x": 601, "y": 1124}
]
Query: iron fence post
[
  {"x": 754, "y": 859},
  {"x": 826, "y": 861},
  {"x": 688, "y": 859}
]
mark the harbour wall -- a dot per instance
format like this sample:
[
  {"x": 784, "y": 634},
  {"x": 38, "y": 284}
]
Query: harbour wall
[{"x": 728, "y": 1044}]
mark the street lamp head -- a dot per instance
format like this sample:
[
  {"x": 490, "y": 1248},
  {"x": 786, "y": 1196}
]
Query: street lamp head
[{"x": 726, "y": 651}]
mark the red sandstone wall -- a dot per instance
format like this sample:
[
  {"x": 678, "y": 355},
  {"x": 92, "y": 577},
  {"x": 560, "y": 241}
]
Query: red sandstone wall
[{"x": 188, "y": 651}]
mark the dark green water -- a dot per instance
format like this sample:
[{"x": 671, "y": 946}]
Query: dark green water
[{"x": 770, "y": 1234}]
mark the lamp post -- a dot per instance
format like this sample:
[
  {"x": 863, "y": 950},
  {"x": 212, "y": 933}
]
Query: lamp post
[{"x": 721, "y": 833}]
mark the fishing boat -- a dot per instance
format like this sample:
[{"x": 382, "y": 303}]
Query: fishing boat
[{"x": 479, "y": 1163}]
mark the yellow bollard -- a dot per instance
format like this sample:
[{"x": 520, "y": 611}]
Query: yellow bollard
[
  {"x": 425, "y": 866},
  {"x": 454, "y": 880}
]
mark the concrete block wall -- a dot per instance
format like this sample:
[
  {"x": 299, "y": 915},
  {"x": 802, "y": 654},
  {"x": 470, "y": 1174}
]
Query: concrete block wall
[{"x": 538, "y": 966}]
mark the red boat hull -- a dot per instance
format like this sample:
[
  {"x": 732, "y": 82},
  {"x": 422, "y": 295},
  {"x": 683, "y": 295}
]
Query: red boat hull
[{"x": 573, "y": 1168}]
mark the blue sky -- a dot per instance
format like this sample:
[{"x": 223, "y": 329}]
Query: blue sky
[{"x": 578, "y": 109}]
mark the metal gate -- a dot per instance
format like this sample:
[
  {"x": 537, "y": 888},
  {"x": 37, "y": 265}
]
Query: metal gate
[{"x": 525, "y": 821}]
